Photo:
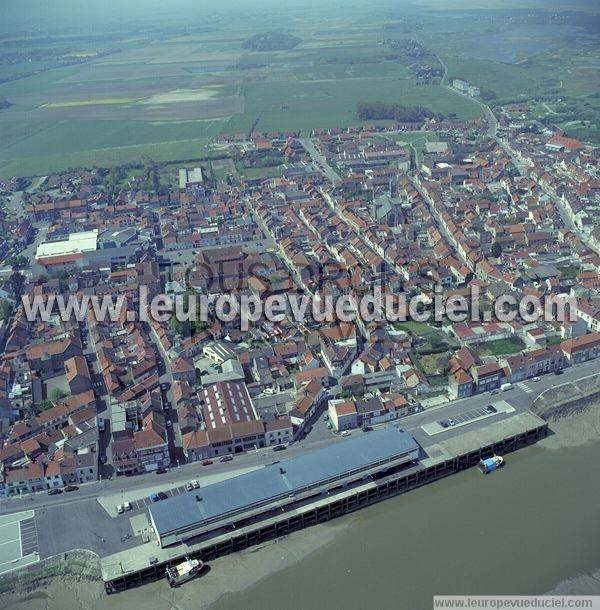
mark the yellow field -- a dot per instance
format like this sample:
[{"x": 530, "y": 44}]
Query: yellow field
[
  {"x": 97, "y": 102},
  {"x": 83, "y": 54},
  {"x": 178, "y": 96}
]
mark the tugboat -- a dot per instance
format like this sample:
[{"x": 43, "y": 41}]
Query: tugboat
[
  {"x": 491, "y": 464},
  {"x": 177, "y": 575}
]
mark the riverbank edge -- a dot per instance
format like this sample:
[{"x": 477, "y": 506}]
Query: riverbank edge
[
  {"x": 80, "y": 563},
  {"x": 559, "y": 407}
]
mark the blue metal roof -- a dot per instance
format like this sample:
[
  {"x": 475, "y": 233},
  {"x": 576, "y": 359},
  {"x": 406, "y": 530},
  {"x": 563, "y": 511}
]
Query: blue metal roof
[{"x": 279, "y": 479}]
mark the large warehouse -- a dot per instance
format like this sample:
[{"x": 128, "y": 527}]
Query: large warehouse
[
  {"x": 75, "y": 243},
  {"x": 290, "y": 481}
]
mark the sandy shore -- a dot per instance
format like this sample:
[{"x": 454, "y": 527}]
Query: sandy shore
[
  {"x": 574, "y": 430},
  {"x": 229, "y": 574},
  {"x": 586, "y": 584}
]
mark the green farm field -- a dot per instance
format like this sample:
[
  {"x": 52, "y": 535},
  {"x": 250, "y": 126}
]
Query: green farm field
[
  {"x": 167, "y": 96},
  {"x": 108, "y": 97},
  {"x": 180, "y": 150},
  {"x": 303, "y": 105}
]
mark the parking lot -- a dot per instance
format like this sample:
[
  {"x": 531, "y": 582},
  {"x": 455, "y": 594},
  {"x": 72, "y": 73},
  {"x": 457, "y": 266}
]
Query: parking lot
[
  {"x": 462, "y": 419},
  {"x": 139, "y": 499},
  {"x": 18, "y": 541},
  {"x": 143, "y": 503}
]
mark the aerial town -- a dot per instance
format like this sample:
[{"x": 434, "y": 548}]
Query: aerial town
[
  {"x": 299, "y": 304},
  {"x": 86, "y": 403}
]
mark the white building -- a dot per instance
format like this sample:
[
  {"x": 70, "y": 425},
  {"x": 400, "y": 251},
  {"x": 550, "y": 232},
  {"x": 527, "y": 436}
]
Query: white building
[
  {"x": 76, "y": 243},
  {"x": 342, "y": 414}
]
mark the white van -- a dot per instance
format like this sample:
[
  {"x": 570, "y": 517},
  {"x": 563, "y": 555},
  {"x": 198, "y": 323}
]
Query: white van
[{"x": 506, "y": 386}]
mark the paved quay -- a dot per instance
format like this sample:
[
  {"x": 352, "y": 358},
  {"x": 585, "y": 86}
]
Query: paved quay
[{"x": 146, "y": 561}]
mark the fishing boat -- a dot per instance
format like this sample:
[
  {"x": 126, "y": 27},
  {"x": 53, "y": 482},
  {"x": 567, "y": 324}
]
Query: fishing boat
[
  {"x": 182, "y": 572},
  {"x": 490, "y": 464}
]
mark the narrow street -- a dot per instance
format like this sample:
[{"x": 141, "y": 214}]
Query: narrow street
[
  {"x": 493, "y": 133},
  {"x": 166, "y": 377},
  {"x": 319, "y": 160}
]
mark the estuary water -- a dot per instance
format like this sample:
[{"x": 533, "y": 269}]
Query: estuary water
[{"x": 521, "y": 530}]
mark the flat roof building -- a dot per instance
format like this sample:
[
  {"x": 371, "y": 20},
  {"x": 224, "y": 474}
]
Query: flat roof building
[
  {"x": 286, "y": 482},
  {"x": 190, "y": 176},
  {"x": 84, "y": 241}
]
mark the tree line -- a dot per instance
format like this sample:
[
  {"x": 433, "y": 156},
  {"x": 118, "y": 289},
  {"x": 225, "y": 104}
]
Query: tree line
[
  {"x": 271, "y": 41},
  {"x": 369, "y": 111}
]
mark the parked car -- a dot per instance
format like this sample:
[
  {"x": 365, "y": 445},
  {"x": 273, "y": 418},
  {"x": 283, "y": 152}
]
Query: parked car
[
  {"x": 226, "y": 458},
  {"x": 54, "y": 492},
  {"x": 164, "y": 386},
  {"x": 329, "y": 425},
  {"x": 71, "y": 488},
  {"x": 162, "y": 495},
  {"x": 196, "y": 484},
  {"x": 207, "y": 462},
  {"x": 536, "y": 379},
  {"x": 367, "y": 428},
  {"x": 103, "y": 459},
  {"x": 127, "y": 506},
  {"x": 120, "y": 509},
  {"x": 345, "y": 433},
  {"x": 169, "y": 423},
  {"x": 189, "y": 487},
  {"x": 279, "y": 448},
  {"x": 558, "y": 372},
  {"x": 161, "y": 470},
  {"x": 326, "y": 417},
  {"x": 451, "y": 422},
  {"x": 491, "y": 409},
  {"x": 154, "y": 497}
]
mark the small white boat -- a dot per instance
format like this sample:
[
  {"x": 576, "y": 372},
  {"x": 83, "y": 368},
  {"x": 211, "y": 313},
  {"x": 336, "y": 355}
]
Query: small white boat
[{"x": 177, "y": 575}]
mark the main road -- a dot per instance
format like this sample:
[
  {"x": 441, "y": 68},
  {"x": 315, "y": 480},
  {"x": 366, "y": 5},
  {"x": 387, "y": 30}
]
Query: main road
[
  {"x": 521, "y": 397},
  {"x": 320, "y": 161},
  {"x": 489, "y": 115}
]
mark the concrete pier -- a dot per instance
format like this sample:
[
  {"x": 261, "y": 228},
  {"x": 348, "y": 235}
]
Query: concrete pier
[{"x": 148, "y": 562}]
